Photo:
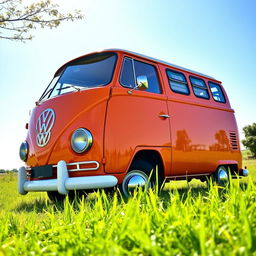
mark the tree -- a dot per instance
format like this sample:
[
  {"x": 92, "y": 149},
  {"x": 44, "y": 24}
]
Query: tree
[
  {"x": 250, "y": 138},
  {"x": 17, "y": 20}
]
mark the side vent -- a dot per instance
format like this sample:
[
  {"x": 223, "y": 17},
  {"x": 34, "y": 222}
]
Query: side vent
[{"x": 233, "y": 141}]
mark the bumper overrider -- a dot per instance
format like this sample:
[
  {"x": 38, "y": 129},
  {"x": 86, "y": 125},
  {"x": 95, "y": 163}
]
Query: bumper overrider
[{"x": 63, "y": 183}]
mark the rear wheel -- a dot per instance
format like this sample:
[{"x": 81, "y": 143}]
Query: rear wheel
[
  {"x": 141, "y": 174},
  {"x": 221, "y": 176}
]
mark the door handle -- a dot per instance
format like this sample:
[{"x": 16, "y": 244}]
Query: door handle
[{"x": 164, "y": 116}]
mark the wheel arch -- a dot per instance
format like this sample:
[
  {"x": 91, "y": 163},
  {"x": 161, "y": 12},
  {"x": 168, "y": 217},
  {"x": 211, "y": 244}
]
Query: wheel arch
[
  {"x": 151, "y": 156},
  {"x": 231, "y": 166}
]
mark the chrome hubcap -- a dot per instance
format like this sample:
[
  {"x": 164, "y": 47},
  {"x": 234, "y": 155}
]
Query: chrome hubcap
[
  {"x": 134, "y": 180},
  {"x": 222, "y": 176}
]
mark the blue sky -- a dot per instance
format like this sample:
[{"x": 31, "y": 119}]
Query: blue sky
[{"x": 215, "y": 37}]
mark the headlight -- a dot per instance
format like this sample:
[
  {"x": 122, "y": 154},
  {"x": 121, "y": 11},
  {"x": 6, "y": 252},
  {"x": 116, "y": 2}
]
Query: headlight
[
  {"x": 24, "y": 151},
  {"x": 81, "y": 140}
]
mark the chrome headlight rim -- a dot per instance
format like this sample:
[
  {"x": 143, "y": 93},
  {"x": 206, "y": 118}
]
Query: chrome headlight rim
[
  {"x": 81, "y": 140},
  {"x": 24, "y": 151}
]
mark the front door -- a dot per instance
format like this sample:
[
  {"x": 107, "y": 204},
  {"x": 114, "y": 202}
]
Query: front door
[{"x": 135, "y": 117}]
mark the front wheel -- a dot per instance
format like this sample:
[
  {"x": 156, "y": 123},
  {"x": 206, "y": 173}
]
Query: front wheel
[
  {"x": 55, "y": 196},
  {"x": 141, "y": 174}
]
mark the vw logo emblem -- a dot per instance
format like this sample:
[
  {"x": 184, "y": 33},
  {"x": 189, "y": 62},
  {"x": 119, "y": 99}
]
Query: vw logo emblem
[{"x": 44, "y": 125}]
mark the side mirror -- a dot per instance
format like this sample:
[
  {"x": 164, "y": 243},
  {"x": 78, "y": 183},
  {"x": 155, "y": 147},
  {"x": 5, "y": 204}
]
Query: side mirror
[{"x": 142, "y": 83}]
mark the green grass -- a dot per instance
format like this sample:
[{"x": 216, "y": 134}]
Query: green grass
[
  {"x": 247, "y": 154},
  {"x": 185, "y": 219}
]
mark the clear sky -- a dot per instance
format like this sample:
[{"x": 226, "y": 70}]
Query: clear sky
[{"x": 216, "y": 37}]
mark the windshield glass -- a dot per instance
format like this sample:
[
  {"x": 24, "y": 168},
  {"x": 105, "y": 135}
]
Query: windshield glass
[{"x": 87, "y": 72}]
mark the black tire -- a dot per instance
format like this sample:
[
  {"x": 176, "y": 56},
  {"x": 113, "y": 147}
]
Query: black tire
[
  {"x": 55, "y": 196},
  {"x": 146, "y": 171},
  {"x": 149, "y": 169}
]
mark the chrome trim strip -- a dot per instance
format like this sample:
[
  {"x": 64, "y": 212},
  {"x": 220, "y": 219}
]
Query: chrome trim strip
[
  {"x": 78, "y": 166},
  {"x": 189, "y": 175},
  {"x": 82, "y": 169}
]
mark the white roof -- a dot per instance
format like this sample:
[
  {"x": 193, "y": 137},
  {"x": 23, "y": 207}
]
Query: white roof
[{"x": 163, "y": 62}]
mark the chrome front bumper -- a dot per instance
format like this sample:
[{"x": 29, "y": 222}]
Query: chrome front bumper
[{"x": 63, "y": 183}]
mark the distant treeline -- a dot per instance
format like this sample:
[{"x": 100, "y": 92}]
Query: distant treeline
[{"x": 7, "y": 171}]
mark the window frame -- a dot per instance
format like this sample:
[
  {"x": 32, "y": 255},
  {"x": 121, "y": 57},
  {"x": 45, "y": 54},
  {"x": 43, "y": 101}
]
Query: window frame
[
  {"x": 175, "y": 80},
  {"x": 134, "y": 74},
  {"x": 121, "y": 72},
  {"x": 198, "y": 86},
  {"x": 224, "y": 96}
]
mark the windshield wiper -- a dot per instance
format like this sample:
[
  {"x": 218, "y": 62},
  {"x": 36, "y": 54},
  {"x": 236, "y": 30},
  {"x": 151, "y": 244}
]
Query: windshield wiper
[{"x": 69, "y": 86}]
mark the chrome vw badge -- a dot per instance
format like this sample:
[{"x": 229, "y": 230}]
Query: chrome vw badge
[{"x": 44, "y": 125}]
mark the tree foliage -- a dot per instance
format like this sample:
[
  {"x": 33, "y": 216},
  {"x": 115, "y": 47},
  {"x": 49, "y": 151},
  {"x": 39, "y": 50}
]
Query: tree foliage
[
  {"x": 17, "y": 19},
  {"x": 250, "y": 138}
]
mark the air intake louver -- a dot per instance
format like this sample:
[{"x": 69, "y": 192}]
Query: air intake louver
[{"x": 233, "y": 141}]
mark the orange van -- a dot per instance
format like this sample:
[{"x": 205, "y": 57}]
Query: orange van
[{"x": 109, "y": 118}]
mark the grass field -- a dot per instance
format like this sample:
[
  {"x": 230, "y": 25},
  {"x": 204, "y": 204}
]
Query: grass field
[{"x": 186, "y": 219}]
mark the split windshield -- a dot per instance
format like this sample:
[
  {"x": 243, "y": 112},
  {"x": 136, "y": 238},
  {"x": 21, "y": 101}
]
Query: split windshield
[{"x": 87, "y": 72}]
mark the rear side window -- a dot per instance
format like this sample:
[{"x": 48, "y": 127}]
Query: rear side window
[
  {"x": 132, "y": 69},
  {"x": 199, "y": 88},
  {"x": 217, "y": 93},
  {"x": 177, "y": 82}
]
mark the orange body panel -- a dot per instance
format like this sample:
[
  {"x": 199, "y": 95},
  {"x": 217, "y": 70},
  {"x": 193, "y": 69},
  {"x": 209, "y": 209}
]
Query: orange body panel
[
  {"x": 194, "y": 140},
  {"x": 72, "y": 110},
  {"x": 195, "y": 126}
]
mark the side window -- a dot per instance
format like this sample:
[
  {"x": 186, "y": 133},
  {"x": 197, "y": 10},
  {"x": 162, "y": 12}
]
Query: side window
[
  {"x": 149, "y": 71},
  {"x": 178, "y": 82},
  {"x": 199, "y": 88},
  {"x": 217, "y": 93},
  {"x": 132, "y": 69}
]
